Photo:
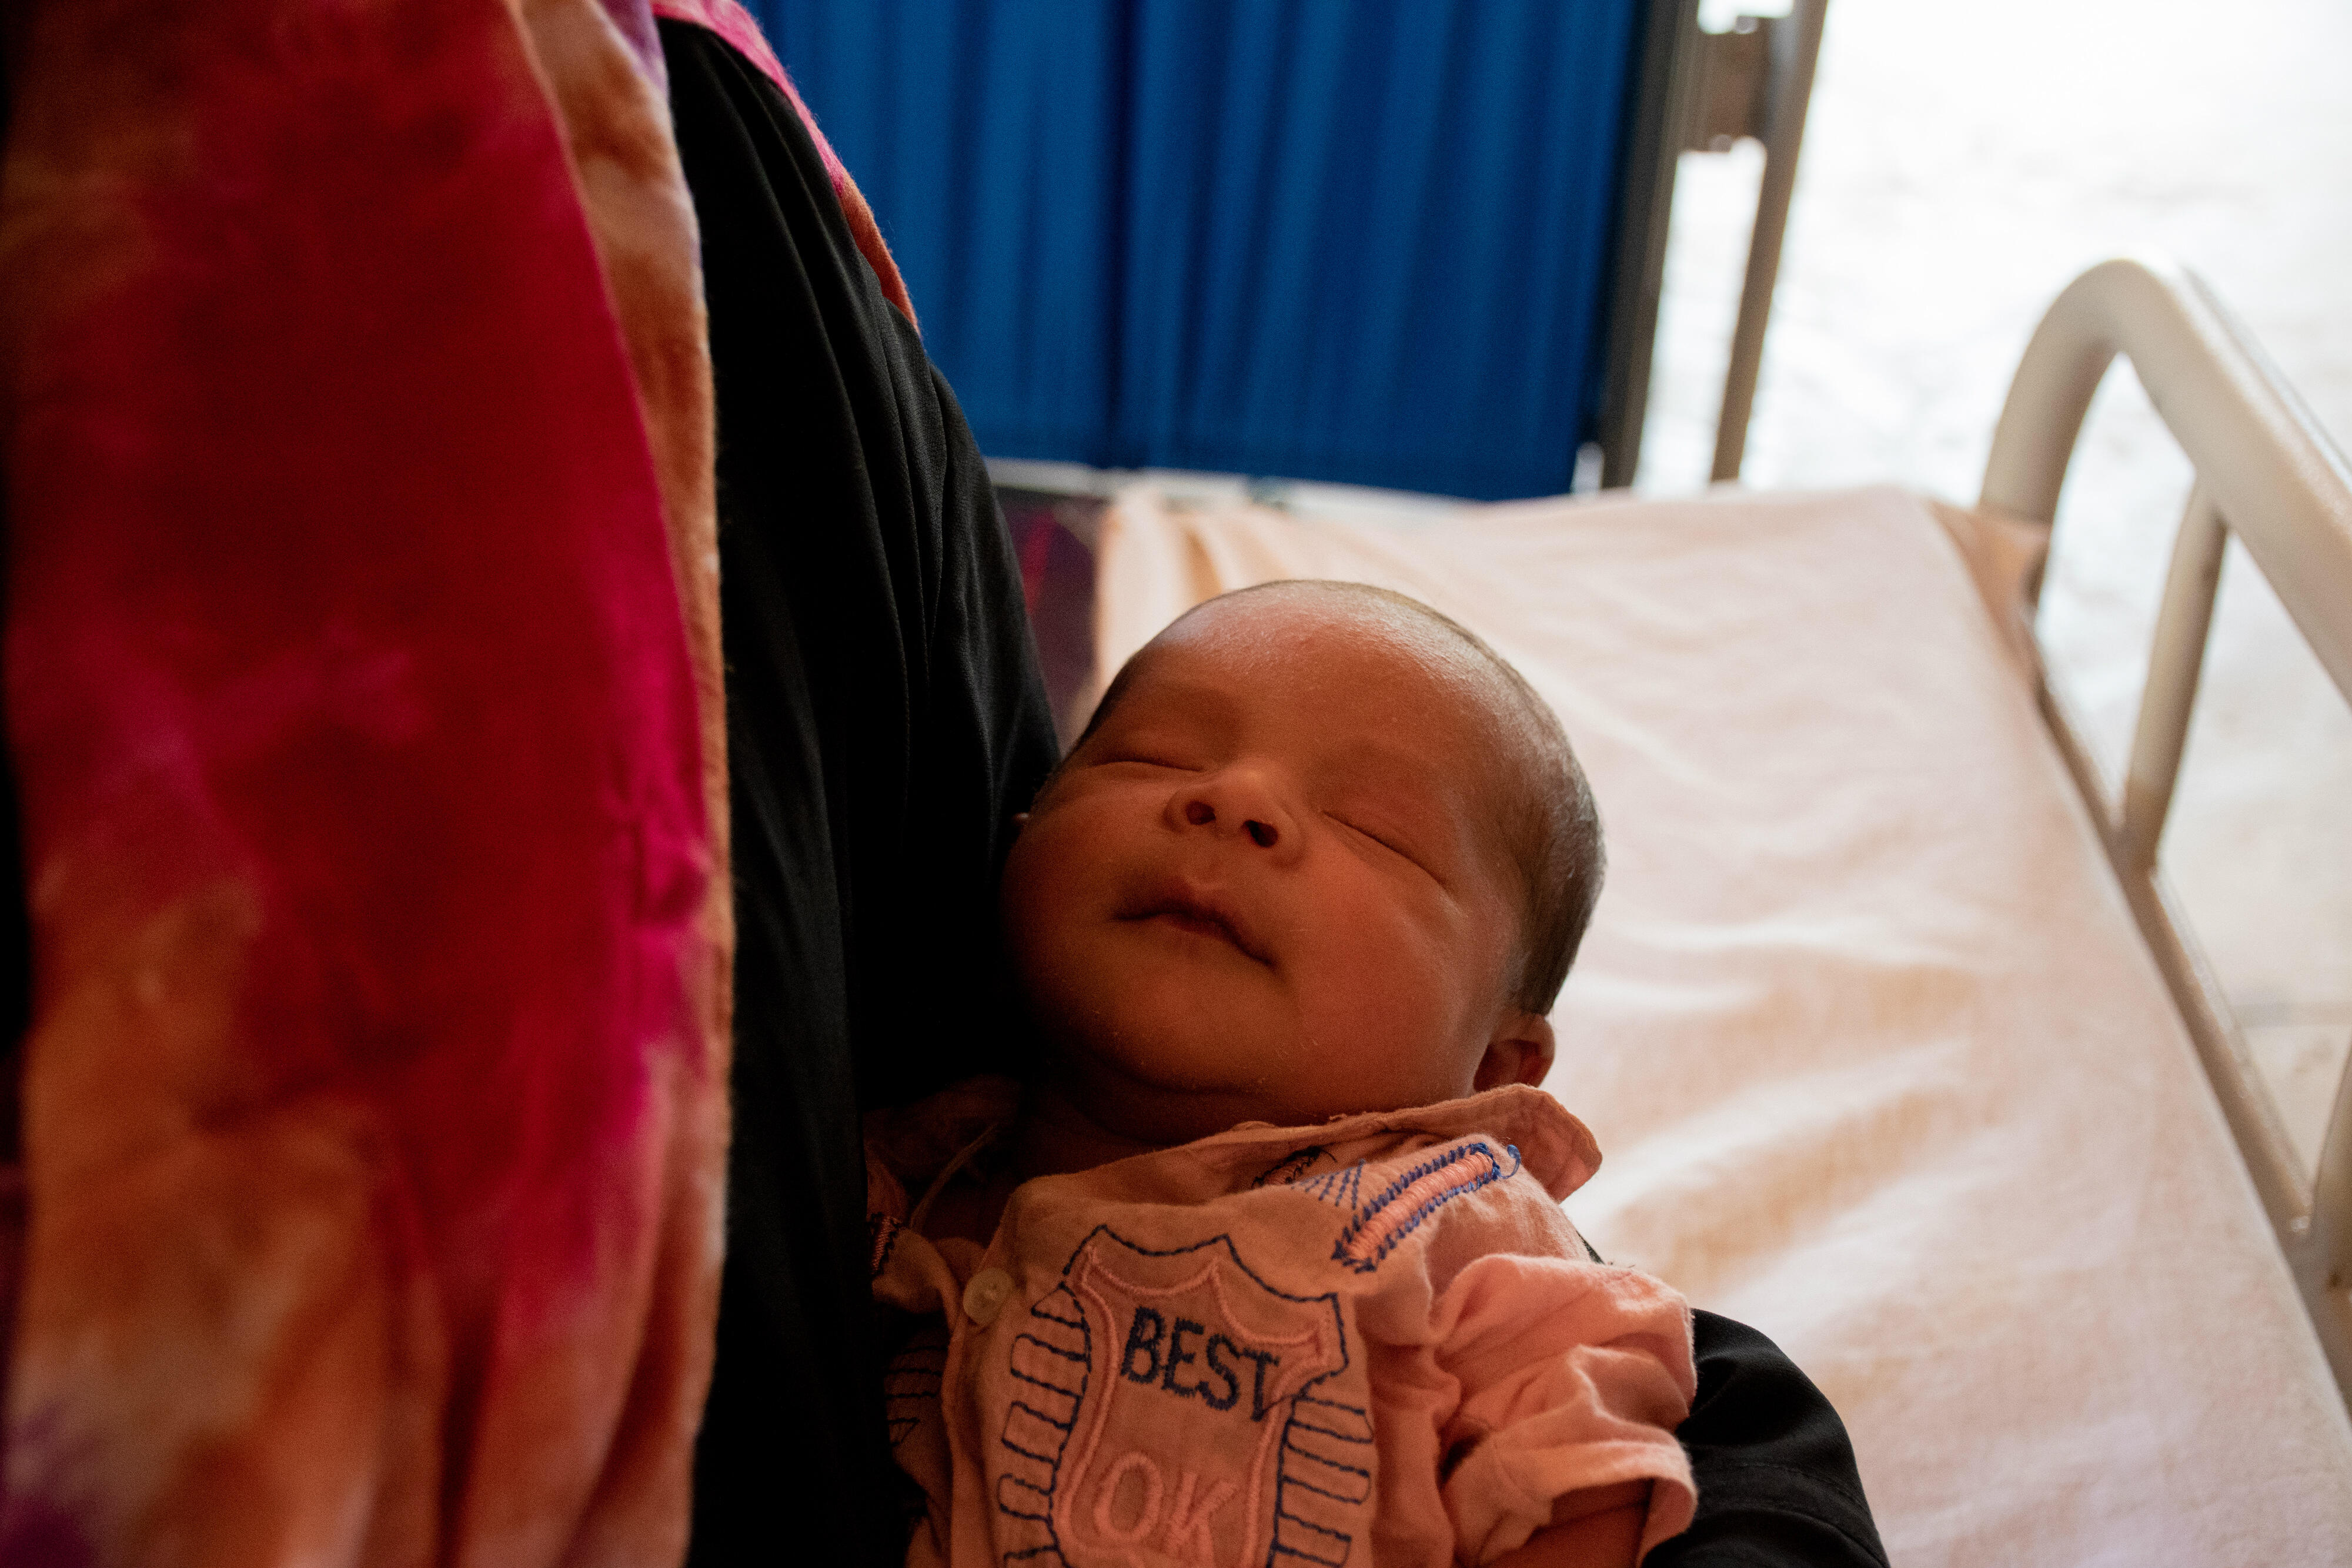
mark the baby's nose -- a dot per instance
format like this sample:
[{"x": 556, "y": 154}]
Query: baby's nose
[
  {"x": 1242, "y": 800},
  {"x": 1263, "y": 834}
]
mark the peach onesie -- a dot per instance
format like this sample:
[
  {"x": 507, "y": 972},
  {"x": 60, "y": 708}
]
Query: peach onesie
[{"x": 1375, "y": 1341}]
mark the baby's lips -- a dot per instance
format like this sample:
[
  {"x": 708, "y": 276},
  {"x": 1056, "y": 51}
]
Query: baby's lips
[{"x": 1193, "y": 904}]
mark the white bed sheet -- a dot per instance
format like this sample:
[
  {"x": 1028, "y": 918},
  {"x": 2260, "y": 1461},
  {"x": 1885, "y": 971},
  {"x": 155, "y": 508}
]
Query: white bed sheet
[{"x": 1864, "y": 1025}]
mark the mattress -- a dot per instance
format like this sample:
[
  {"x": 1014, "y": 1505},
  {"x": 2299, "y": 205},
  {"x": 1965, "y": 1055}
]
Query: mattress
[{"x": 1877, "y": 1057}]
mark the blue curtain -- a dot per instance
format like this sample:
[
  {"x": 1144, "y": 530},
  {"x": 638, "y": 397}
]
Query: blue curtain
[{"x": 1361, "y": 240}]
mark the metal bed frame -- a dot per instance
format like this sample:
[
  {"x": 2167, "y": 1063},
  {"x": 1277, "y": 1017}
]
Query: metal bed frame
[
  {"x": 2266, "y": 472},
  {"x": 1700, "y": 92}
]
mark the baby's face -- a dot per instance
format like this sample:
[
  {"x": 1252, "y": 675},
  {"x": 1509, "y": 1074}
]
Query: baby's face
[{"x": 1268, "y": 885}]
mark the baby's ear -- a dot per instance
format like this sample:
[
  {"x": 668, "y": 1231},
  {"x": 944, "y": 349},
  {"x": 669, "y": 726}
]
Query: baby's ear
[
  {"x": 1520, "y": 1052},
  {"x": 1020, "y": 821}
]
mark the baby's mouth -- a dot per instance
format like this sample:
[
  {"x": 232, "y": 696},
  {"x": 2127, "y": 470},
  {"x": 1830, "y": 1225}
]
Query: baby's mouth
[{"x": 1200, "y": 914}]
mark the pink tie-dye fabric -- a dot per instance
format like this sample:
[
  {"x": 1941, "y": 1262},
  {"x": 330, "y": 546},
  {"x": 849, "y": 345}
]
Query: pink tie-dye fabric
[{"x": 358, "y": 513}]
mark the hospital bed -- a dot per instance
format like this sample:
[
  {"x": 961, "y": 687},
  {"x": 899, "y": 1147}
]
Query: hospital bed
[{"x": 1895, "y": 1039}]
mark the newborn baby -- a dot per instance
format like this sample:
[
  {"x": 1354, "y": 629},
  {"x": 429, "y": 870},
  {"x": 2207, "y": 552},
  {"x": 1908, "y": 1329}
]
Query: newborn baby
[{"x": 1267, "y": 1261}]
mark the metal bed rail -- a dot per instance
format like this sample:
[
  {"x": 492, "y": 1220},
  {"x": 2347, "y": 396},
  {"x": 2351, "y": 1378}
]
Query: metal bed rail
[
  {"x": 1711, "y": 90},
  {"x": 2266, "y": 472}
]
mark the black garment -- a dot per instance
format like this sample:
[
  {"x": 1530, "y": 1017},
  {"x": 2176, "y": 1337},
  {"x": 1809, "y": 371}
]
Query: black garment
[
  {"x": 1777, "y": 1483},
  {"x": 885, "y": 720}
]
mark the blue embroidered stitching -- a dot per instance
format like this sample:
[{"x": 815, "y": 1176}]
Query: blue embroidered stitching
[
  {"x": 1290, "y": 1167},
  {"x": 1343, "y": 1252},
  {"x": 1337, "y": 1188},
  {"x": 912, "y": 1382},
  {"x": 1012, "y": 1489},
  {"x": 882, "y": 1233}
]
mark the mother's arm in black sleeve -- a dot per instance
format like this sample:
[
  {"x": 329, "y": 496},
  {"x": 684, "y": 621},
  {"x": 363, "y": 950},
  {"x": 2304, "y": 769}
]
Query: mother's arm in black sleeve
[
  {"x": 884, "y": 721},
  {"x": 1777, "y": 1483}
]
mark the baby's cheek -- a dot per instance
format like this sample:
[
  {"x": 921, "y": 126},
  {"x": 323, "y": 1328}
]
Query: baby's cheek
[{"x": 1385, "y": 983}]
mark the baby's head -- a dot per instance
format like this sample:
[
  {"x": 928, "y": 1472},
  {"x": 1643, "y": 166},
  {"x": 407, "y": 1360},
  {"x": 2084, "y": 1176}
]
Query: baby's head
[{"x": 1319, "y": 851}]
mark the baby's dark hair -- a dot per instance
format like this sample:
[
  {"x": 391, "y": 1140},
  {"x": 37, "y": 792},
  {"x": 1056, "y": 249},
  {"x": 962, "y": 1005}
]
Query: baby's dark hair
[{"x": 1550, "y": 833}]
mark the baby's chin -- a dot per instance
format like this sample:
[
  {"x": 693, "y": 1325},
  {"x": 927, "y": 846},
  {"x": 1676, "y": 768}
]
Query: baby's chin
[
  {"x": 1169, "y": 1113},
  {"x": 1161, "y": 1098},
  {"x": 1147, "y": 1101},
  {"x": 1164, "y": 1068}
]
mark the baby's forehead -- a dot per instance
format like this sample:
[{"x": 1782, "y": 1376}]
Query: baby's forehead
[
  {"x": 1285, "y": 622},
  {"x": 1317, "y": 637},
  {"x": 1283, "y": 629}
]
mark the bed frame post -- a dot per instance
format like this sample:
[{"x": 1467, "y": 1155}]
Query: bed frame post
[
  {"x": 2174, "y": 665},
  {"x": 2266, "y": 472},
  {"x": 1795, "y": 46},
  {"x": 2324, "y": 1268},
  {"x": 1658, "y": 107}
]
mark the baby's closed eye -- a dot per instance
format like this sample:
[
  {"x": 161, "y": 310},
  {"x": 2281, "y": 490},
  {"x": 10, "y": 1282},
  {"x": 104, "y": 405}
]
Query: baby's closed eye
[
  {"x": 1383, "y": 836},
  {"x": 1152, "y": 760}
]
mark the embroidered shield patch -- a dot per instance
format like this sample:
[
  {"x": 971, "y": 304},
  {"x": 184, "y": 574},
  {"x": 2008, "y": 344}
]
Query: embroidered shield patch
[{"x": 1172, "y": 1407}]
